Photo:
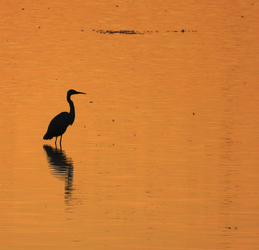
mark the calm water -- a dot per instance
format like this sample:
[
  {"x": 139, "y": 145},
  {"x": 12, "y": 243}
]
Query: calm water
[{"x": 163, "y": 153}]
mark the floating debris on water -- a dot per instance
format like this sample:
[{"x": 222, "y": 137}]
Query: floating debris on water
[
  {"x": 127, "y": 32},
  {"x": 135, "y": 32}
]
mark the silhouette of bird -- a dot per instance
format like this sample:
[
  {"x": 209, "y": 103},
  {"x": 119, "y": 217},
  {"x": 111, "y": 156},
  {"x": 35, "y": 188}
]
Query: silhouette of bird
[{"x": 59, "y": 123}]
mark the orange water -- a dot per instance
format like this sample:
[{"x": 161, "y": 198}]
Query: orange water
[{"x": 163, "y": 153}]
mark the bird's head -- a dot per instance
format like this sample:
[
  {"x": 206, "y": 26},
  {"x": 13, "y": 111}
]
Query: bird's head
[{"x": 73, "y": 92}]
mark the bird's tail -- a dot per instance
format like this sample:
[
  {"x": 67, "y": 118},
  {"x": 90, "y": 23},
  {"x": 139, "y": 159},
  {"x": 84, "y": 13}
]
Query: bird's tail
[{"x": 47, "y": 137}]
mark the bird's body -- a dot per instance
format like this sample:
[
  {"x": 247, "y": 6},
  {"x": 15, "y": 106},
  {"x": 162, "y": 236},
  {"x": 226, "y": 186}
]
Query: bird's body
[
  {"x": 57, "y": 126},
  {"x": 59, "y": 123}
]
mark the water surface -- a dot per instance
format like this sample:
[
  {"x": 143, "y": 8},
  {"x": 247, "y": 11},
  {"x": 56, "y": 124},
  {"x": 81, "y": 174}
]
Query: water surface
[{"x": 163, "y": 153}]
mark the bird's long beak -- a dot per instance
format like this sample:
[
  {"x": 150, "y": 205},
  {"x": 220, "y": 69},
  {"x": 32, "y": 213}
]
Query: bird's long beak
[{"x": 80, "y": 93}]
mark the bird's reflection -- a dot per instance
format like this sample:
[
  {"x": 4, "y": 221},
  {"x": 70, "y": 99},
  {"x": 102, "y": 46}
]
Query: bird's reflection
[{"x": 61, "y": 167}]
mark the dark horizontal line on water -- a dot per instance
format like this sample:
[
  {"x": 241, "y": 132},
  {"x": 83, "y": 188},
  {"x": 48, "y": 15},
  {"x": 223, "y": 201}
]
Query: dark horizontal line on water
[{"x": 135, "y": 32}]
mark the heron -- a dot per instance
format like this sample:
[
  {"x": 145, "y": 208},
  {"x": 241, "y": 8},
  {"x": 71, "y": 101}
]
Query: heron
[{"x": 58, "y": 125}]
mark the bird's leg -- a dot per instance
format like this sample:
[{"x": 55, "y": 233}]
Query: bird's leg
[
  {"x": 56, "y": 141},
  {"x": 60, "y": 140}
]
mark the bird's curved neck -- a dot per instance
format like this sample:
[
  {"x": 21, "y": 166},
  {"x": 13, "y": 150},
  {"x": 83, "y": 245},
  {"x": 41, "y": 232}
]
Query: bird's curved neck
[{"x": 72, "y": 110}]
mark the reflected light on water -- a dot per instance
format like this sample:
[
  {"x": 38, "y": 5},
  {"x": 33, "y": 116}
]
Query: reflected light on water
[{"x": 164, "y": 147}]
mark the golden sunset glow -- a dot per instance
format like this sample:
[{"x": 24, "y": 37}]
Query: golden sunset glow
[{"x": 163, "y": 152}]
